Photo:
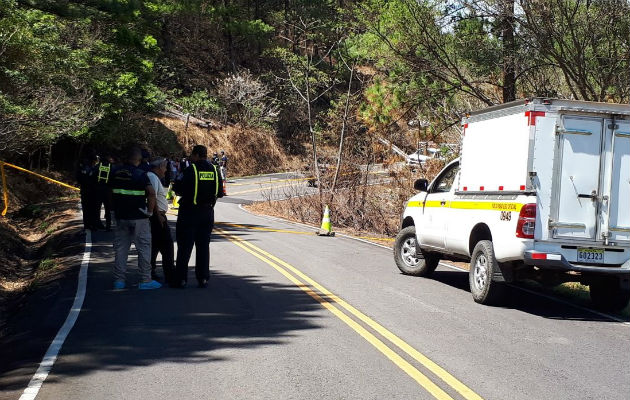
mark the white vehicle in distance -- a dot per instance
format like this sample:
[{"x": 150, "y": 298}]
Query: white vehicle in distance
[
  {"x": 541, "y": 191},
  {"x": 418, "y": 158}
]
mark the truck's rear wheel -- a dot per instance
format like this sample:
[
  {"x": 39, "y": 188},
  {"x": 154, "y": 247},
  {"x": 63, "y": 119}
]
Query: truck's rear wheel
[
  {"x": 406, "y": 258},
  {"x": 607, "y": 294},
  {"x": 483, "y": 265}
]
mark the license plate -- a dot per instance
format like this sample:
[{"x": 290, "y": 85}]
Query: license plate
[{"x": 590, "y": 255}]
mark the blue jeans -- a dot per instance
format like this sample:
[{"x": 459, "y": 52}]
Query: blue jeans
[{"x": 137, "y": 231}]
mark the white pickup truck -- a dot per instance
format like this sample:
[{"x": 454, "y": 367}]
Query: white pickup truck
[{"x": 541, "y": 190}]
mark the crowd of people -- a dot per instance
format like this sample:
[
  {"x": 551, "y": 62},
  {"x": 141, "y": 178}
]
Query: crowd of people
[{"x": 134, "y": 192}]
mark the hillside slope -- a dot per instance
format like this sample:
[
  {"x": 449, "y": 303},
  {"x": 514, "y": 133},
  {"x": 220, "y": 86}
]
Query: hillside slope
[{"x": 250, "y": 151}]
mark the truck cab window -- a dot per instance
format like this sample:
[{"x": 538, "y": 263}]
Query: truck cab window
[{"x": 444, "y": 183}]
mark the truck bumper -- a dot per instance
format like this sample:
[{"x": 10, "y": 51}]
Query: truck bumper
[{"x": 558, "y": 262}]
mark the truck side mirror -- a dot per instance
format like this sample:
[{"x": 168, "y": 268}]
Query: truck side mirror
[{"x": 421, "y": 185}]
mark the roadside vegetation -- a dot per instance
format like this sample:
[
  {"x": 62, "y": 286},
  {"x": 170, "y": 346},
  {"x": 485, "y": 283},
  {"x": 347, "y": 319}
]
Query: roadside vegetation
[
  {"x": 312, "y": 85},
  {"x": 365, "y": 203},
  {"x": 309, "y": 85},
  {"x": 37, "y": 240},
  {"x": 93, "y": 75}
]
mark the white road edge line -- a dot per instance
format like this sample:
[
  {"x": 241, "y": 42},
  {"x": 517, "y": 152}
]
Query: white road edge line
[
  {"x": 611, "y": 317},
  {"x": 50, "y": 357},
  {"x": 546, "y": 296}
]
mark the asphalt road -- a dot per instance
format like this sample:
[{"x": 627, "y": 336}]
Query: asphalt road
[{"x": 290, "y": 315}]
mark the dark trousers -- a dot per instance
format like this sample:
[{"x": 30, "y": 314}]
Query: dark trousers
[
  {"x": 85, "y": 208},
  {"x": 162, "y": 242},
  {"x": 102, "y": 199},
  {"x": 88, "y": 207},
  {"x": 194, "y": 226}
]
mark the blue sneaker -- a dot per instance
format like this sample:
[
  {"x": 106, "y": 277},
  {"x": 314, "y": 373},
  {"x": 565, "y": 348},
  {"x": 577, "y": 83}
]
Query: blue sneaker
[
  {"x": 119, "y": 284},
  {"x": 149, "y": 285}
]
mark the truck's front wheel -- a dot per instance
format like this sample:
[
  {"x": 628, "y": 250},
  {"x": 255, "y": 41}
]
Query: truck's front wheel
[
  {"x": 607, "y": 294},
  {"x": 483, "y": 266},
  {"x": 406, "y": 258}
]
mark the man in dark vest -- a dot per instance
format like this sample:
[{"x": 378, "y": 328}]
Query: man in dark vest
[
  {"x": 199, "y": 187},
  {"x": 134, "y": 202}
]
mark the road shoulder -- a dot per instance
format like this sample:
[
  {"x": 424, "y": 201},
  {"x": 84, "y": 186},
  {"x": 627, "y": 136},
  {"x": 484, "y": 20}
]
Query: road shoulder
[{"x": 33, "y": 315}]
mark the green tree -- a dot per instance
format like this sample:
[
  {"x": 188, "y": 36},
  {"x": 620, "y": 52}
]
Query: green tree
[{"x": 587, "y": 41}]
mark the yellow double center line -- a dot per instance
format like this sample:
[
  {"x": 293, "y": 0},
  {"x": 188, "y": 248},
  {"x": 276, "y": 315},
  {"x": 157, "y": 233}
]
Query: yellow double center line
[
  {"x": 260, "y": 228},
  {"x": 326, "y": 299}
]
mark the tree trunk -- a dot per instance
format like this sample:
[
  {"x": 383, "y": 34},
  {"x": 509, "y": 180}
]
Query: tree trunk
[
  {"x": 228, "y": 35},
  {"x": 509, "y": 50},
  {"x": 186, "y": 131},
  {"x": 77, "y": 160},
  {"x": 343, "y": 131},
  {"x": 312, "y": 131},
  {"x": 49, "y": 158}
]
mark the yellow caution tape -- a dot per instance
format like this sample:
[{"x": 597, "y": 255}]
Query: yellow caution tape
[
  {"x": 40, "y": 176},
  {"x": 4, "y": 182}
]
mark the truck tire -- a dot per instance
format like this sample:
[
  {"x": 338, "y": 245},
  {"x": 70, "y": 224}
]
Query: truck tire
[
  {"x": 607, "y": 295},
  {"x": 406, "y": 258},
  {"x": 483, "y": 265}
]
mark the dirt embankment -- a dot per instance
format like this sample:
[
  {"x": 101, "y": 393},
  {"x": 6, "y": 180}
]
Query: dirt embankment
[
  {"x": 38, "y": 232},
  {"x": 250, "y": 151}
]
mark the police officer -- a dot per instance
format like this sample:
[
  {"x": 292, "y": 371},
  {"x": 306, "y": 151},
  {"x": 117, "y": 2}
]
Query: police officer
[
  {"x": 102, "y": 172},
  {"x": 144, "y": 163},
  {"x": 199, "y": 186},
  {"x": 85, "y": 178}
]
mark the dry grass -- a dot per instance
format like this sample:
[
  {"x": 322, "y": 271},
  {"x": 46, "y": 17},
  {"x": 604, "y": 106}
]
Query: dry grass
[
  {"x": 250, "y": 151},
  {"x": 13, "y": 286},
  {"x": 372, "y": 210}
]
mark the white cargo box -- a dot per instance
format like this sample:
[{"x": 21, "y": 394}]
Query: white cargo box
[
  {"x": 574, "y": 155},
  {"x": 495, "y": 151}
]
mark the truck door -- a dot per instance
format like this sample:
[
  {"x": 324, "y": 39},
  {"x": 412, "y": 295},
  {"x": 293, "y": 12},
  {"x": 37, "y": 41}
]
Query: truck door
[
  {"x": 577, "y": 179},
  {"x": 618, "y": 201},
  {"x": 436, "y": 208}
]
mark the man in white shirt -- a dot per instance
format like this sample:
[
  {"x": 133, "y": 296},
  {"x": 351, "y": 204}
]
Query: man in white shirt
[{"x": 161, "y": 239}]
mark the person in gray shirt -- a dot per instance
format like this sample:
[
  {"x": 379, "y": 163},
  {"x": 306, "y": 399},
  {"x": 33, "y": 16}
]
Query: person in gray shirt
[{"x": 161, "y": 238}]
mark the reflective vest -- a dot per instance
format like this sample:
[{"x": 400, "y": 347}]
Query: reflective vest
[
  {"x": 201, "y": 177},
  {"x": 128, "y": 185},
  {"x": 103, "y": 172}
]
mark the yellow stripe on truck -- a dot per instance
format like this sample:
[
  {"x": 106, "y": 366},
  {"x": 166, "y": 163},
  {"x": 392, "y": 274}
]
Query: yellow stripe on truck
[{"x": 470, "y": 205}]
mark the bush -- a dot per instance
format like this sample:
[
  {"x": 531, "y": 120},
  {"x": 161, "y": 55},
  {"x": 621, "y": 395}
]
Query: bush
[{"x": 247, "y": 100}]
